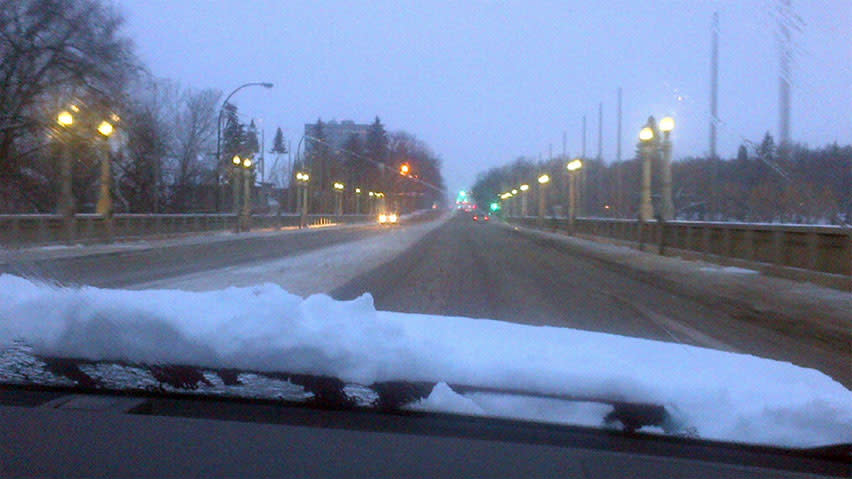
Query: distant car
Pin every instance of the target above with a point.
(388, 219)
(481, 217)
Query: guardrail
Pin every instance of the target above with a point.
(823, 249)
(31, 230)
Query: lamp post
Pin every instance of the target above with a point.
(357, 201)
(646, 148)
(302, 197)
(104, 206)
(543, 180)
(524, 189)
(667, 124)
(573, 167)
(236, 162)
(338, 190)
(247, 181)
(219, 131)
(65, 120)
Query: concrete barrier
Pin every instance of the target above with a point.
(32, 230)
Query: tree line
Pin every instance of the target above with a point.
(762, 183)
(73, 54)
(372, 162)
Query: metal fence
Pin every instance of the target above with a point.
(823, 249)
(30, 230)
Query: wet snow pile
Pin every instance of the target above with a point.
(264, 328)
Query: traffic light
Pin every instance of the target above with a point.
(404, 169)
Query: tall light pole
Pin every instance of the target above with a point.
(357, 201)
(338, 190)
(573, 167)
(667, 124)
(219, 161)
(302, 197)
(543, 180)
(236, 174)
(524, 188)
(647, 149)
(65, 120)
(104, 206)
(247, 181)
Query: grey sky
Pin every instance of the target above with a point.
(484, 82)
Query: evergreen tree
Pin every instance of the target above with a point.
(318, 154)
(233, 135)
(742, 154)
(252, 145)
(376, 149)
(278, 145)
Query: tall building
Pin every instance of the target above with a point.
(336, 134)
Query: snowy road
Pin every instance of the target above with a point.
(455, 267)
(493, 271)
(155, 263)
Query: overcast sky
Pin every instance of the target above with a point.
(484, 82)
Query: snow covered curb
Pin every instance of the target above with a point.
(722, 395)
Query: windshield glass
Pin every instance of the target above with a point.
(618, 215)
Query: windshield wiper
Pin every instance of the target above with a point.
(328, 392)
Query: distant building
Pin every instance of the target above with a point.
(337, 134)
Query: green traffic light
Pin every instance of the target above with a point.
(495, 206)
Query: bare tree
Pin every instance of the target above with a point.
(53, 52)
(144, 167)
(194, 131)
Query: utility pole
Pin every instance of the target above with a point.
(582, 186)
(619, 187)
(600, 131)
(714, 118)
(784, 17)
(618, 130)
(599, 184)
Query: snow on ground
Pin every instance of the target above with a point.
(720, 395)
(727, 270)
(55, 251)
(317, 271)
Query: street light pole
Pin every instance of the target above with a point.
(104, 205)
(573, 167)
(246, 213)
(66, 200)
(543, 180)
(236, 161)
(646, 147)
(302, 197)
(338, 190)
(666, 126)
(219, 135)
(524, 188)
(357, 201)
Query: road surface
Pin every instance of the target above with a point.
(130, 267)
(493, 271)
(463, 268)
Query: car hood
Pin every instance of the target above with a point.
(264, 342)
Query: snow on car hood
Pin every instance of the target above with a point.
(722, 395)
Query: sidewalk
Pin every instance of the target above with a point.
(51, 252)
(793, 307)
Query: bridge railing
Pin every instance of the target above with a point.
(823, 249)
(32, 230)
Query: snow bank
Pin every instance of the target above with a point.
(722, 395)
